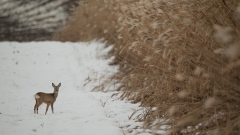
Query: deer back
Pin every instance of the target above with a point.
(46, 97)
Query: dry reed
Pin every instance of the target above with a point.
(178, 56)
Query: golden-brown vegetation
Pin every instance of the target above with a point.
(178, 56)
(93, 19)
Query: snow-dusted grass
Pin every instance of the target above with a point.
(28, 68)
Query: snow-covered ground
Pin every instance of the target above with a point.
(28, 68)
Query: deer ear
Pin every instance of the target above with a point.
(59, 84)
(53, 85)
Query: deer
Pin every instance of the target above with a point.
(47, 98)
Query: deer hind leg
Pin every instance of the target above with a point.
(38, 104)
(35, 106)
(47, 108)
(52, 107)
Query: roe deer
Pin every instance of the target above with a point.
(47, 98)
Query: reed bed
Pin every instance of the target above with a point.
(179, 58)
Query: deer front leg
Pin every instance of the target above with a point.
(47, 108)
(52, 107)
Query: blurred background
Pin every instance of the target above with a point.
(33, 20)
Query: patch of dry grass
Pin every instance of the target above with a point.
(180, 56)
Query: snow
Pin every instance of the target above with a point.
(28, 68)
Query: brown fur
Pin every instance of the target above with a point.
(47, 98)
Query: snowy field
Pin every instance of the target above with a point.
(28, 68)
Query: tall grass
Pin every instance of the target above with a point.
(93, 19)
(179, 58)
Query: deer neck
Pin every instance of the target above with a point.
(55, 94)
